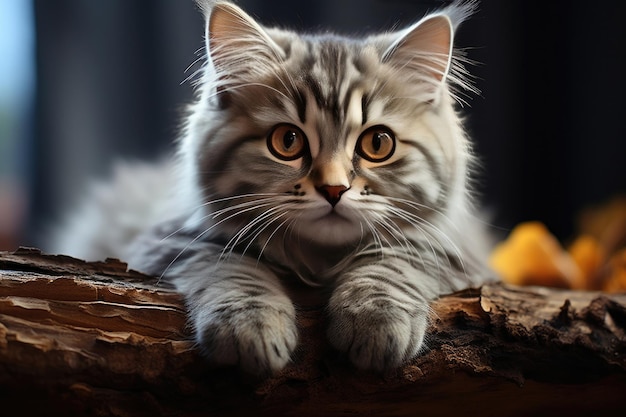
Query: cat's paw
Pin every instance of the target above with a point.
(376, 335)
(258, 337)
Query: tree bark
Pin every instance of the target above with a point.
(81, 338)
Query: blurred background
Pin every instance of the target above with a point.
(84, 83)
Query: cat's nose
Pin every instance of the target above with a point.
(332, 193)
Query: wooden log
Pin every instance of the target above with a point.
(81, 338)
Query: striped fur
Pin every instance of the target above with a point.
(398, 232)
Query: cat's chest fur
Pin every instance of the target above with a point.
(315, 265)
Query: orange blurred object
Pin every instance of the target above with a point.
(595, 261)
(532, 256)
(616, 280)
(589, 256)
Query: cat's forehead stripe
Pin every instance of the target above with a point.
(332, 78)
(354, 108)
(314, 142)
(432, 161)
(364, 103)
(300, 99)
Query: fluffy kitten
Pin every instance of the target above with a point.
(341, 162)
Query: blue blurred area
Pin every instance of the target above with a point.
(548, 124)
(17, 86)
(17, 38)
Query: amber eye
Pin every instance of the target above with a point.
(287, 142)
(376, 144)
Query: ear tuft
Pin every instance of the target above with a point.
(426, 46)
(238, 47)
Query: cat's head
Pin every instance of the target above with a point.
(325, 138)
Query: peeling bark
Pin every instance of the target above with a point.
(81, 338)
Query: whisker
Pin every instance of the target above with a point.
(272, 234)
(207, 230)
(410, 247)
(404, 242)
(230, 208)
(239, 196)
(194, 240)
(380, 221)
(241, 234)
(378, 243)
(246, 205)
(418, 222)
(419, 207)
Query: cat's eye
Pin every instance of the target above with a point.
(376, 144)
(287, 142)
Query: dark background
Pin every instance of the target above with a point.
(549, 124)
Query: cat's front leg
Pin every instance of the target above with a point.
(379, 314)
(239, 311)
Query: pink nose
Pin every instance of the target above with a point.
(332, 193)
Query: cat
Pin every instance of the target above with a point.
(341, 162)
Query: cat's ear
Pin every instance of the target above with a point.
(425, 47)
(237, 45)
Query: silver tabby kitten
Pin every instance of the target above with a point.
(337, 161)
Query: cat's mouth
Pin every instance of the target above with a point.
(333, 215)
(335, 218)
(334, 212)
(325, 216)
(331, 227)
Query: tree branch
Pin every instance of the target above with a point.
(81, 338)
